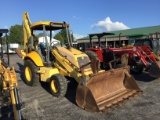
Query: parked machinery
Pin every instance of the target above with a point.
(149, 48)
(139, 57)
(8, 84)
(97, 89)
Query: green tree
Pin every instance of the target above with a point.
(64, 36)
(16, 34)
(72, 37)
(41, 34)
(59, 37)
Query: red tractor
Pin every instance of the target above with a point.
(139, 57)
(104, 55)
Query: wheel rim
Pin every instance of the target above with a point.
(54, 86)
(28, 74)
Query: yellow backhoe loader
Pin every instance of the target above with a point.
(8, 84)
(50, 62)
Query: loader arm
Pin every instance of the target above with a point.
(70, 67)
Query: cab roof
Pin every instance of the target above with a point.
(48, 25)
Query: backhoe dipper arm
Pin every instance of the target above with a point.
(26, 29)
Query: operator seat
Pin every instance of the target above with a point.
(42, 47)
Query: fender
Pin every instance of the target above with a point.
(35, 57)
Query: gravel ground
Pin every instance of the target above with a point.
(41, 105)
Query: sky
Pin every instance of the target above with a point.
(84, 16)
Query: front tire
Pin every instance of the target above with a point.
(58, 85)
(136, 68)
(92, 55)
(31, 77)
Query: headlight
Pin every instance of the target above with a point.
(134, 49)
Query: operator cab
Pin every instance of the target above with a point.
(44, 46)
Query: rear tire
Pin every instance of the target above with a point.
(92, 55)
(31, 77)
(58, 85)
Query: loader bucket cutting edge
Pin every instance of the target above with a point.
(154, 70)
(106, 90)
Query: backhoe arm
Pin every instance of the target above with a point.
(65, 66)
(26, 29)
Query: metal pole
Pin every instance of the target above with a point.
(99, 43)
(50, 36)
(1, 48)
(91, 43)
(120, 39)
(7, 49)
(68, 36)
(47, 45)
(17, 103)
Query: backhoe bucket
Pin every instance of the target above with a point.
(154, 70)
(106, 90)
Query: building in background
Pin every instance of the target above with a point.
(121, 37)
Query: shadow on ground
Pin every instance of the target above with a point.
(6, 113)
(71, 89)
(145, 77)
(20, 70)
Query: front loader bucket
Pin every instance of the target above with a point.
(105, 90)
(154, 70)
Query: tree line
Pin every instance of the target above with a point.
(16, 35)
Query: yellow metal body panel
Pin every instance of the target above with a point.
(23, 54)
(35, 57)
(71, 54)
(47, 72)
(67, 62)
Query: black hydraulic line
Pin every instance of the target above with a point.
(17, 103)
